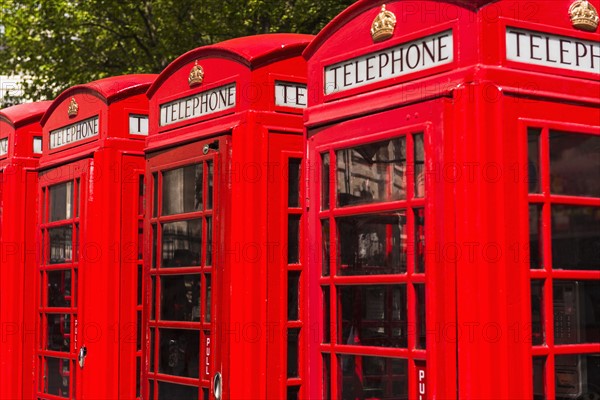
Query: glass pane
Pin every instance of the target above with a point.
(421, 320)
(61, 244)
(574, 164)
(208, 298)
(539, 388)
(151, 389)
(59, 288)
(419, 240)
(326, 377)
(576, 311)
(325, 181)
(209, 240)
(180, 297)
(59, 332)
(577, 376)
(182, 190)
(57, 376)
(372, 244)
(325, 255)
(155, 194)
(61, 201)
(294, 182)
(140, 280)
(371, 173)
(419, 166)
(139, 331)
(293, 295)
(372, 315)
(152, 348)
(326, 314)
(533, 159)
(537, 313)
(292, 352)
(535, 237)
(171, 391)
(364, 377)
(211, 184)
(140, 240)
(575, 237)
(153, 298)
(292, 392)
(293, 239)
(179, 351)
(154, 256)
(181, 243)
(141, 193)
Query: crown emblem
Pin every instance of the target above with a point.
(383, 25)
(196, 75)
(583, 15)
(73, 108)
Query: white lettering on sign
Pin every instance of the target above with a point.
(205, 103)
(564, 52)
(74, 133)
(406, 58)
(207, 362)
(138, 124)
(3, 147)
(290, 94)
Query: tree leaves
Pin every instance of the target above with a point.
(60, 43)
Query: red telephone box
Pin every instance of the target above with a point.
(91, 180)
(223, 221)
(20, 148)
(454, 202)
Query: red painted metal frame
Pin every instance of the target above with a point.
(18, 182)
(108, 166)
(244, 350)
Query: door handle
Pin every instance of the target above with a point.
(82, 355)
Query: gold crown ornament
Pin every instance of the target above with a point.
(196, 75)
(583, 16)
(73, 108)
(383, 25)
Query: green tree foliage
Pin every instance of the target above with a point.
(59, 43)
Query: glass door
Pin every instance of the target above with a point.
(58, 346)
(183, 272)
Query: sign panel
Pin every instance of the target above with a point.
(538, 48)
(290, 94)
(3, 147)
(74, 133)
(417, 55)
(201, 104)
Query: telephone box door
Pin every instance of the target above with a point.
(60, 351)
(184, 271)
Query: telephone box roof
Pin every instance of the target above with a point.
(24, 114)
(251, 51)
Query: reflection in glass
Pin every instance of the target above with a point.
(325, 247)
(61, 201)
(179, 352)
(419, 240)
(61, 244)
(59, 288)
(325, 181)
(366, 377)
(59, 332)
(292, 352)
(180, 297)
(181, 243)
(535, 236)
(537, 313)
(294, 182)
(372, 315)
(419, 166)
(211, 184)
(575, 237)
(182, 190)
(371, 173)
(533, 159)
(539, 388)
(372, 244)
(57, 376)
(208, 297)
(576, 376)
(574, 164)
(209, 241)
(576, 311)
(172, 391)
